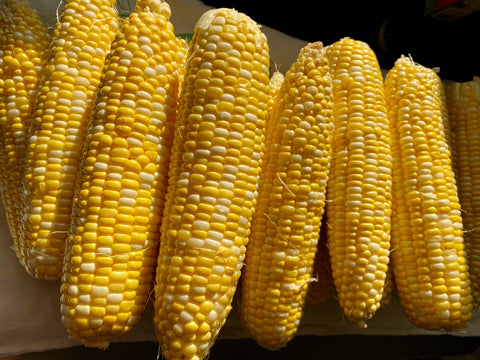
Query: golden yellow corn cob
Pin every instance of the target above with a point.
(276, 80)
(24, 57)
(113, 241)
(3, 41)
(359, 189)
(81, 41)
(286, 223)
(212, 190)
(428, 259)
(463, 103)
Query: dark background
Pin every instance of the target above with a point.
(391, 28)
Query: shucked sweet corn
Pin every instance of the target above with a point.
(248, 160)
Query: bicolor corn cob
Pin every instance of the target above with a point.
(112, 246)
(4, 11)
(359, 189)
(291, 200)
(428, 259)
(81, 41)
(24, 56)
(463, 103)
(213, 179)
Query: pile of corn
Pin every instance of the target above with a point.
(136, 167)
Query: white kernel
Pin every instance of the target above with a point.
(455, 297)
(77, 110)
(182, 298)
(350, 264)
(445, 223)
(80, 80)
(124, 62)
(149, 71)
(451, 258)
(436, 259)
(125, 54)
(13, 113)
(441, 297)
(114, 298)
(211, 47)
(72, 290)
(55, 153)
(212, 316)
(228, 177)
(245, 73)
(84, 299)
(202, 153)
(82, 310)
(224, 115)
(104, 251)
(251, 117)
(219, 218)
(443, 314)
(144, 95)
(227, 97)
(79, 95)
(221, 209)
(199, 290)
(218, 150)
(227, 243)
(146, 177)
(100, 166)
(430, 217)
(427, 189)
(218, 132)
(438, 266)
(128, 103)
(127, 201)
(134, 142)
(195, 242)
(185, 317)
(177, 329)
(224, 46)
(130, 193)
(374, 247)
(212, 244)
(230, 169)
(218, 269)
(87, 267)
(425, 294)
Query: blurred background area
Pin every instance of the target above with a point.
(435, 33)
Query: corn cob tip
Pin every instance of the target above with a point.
(215, 16)
(156, 6)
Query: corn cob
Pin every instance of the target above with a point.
(359, 189)
(322, 288)
(213, 176)
(24, 57)
(274, 85)
(286, 224)
(81, 41)
(463, 103)
(4, 11)
(428, 262)
(113, 241)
